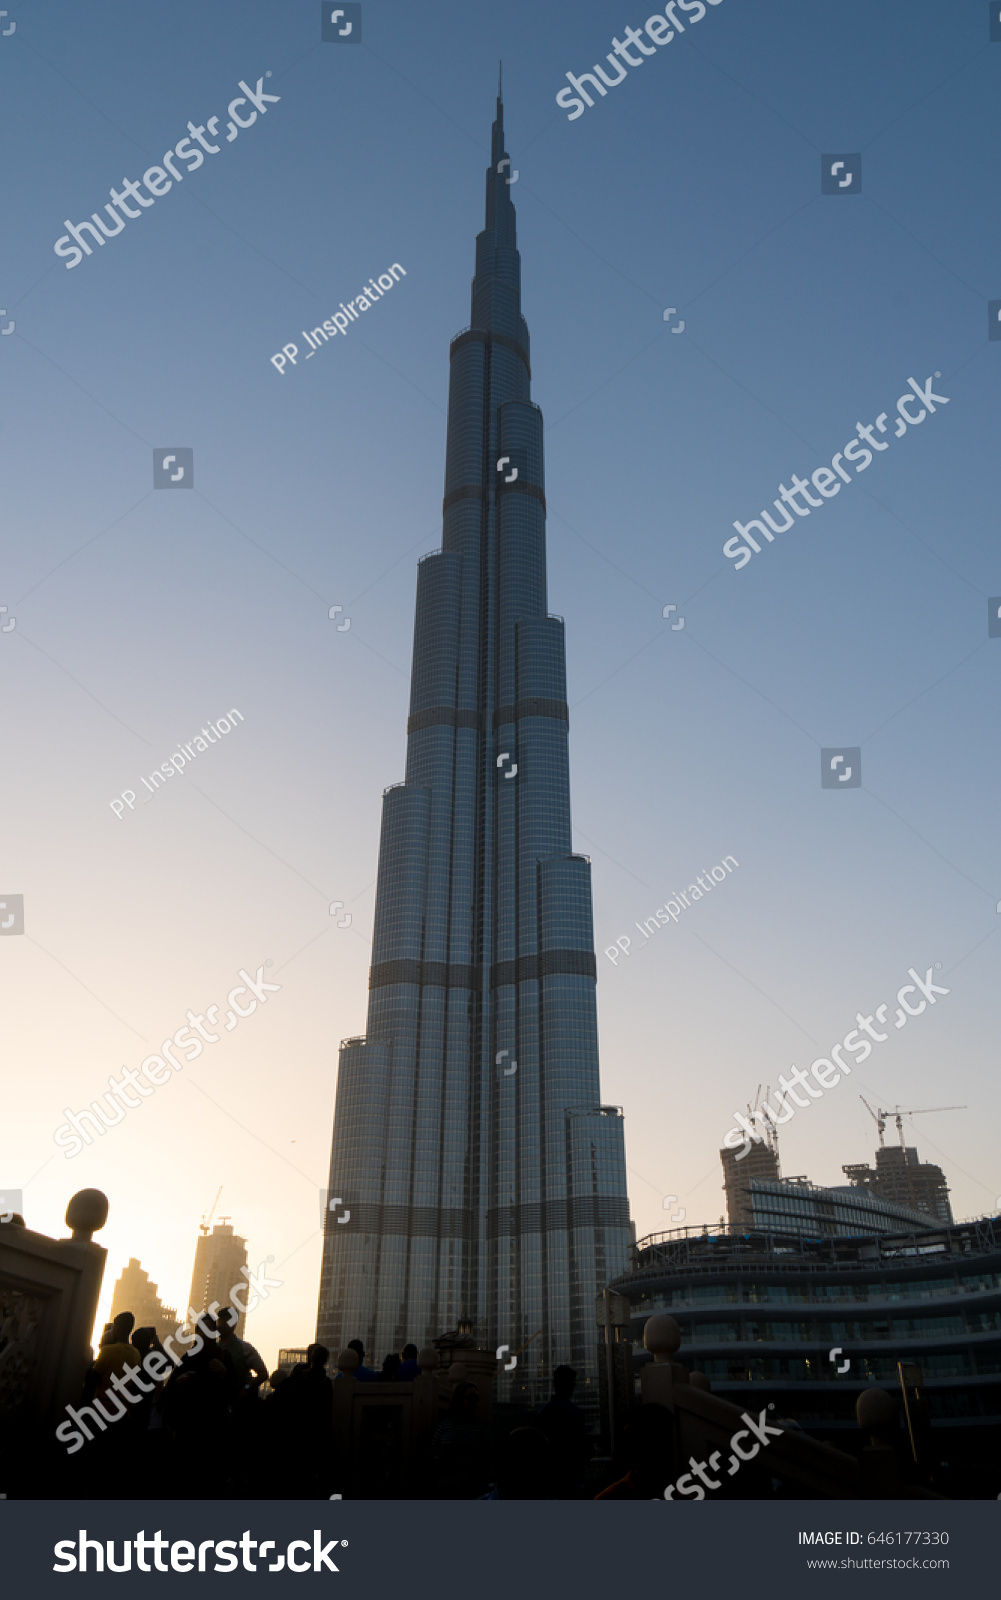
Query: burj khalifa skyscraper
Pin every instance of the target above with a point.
(477, 1174)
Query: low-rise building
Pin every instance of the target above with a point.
(806, 1323)
(795, 1205)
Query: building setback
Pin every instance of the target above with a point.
(134, 1292)
(483, 1177)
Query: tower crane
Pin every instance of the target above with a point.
(771, 1131)
(881, 1115)
(207, 1220)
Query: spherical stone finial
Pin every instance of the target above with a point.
(698, 1380)
(457, 1373)
(661, 1336)
(87, 1212)
(347, 1361)
(876, 1410)
(427, 1358)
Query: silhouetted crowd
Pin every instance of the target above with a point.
(207, 1415)
(218, 1426)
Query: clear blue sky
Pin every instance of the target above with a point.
(139, 613)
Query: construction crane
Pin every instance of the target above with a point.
(207, 1220)
(878, 1118)
(881, 1115)
(771, 1131)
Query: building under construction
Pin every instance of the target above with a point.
(761, 1162)
(902, 1179)
(220, 1257)
(900, 1189)
(899, 1176)
(760, 1200)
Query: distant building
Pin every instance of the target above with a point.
(770, 1317)
(761, 1161)
(900, 1192)
(901, 1178)
(795, 1205)
(219, 1258)
(134, 1292)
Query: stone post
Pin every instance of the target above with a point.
(879, 1471)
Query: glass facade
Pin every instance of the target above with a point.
(797, 1206)
(766, 1309)
(484, 1179)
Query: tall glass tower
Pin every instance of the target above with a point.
(478, 1176)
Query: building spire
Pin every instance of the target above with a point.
(497, 151)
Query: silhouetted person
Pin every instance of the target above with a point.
(390, 1368)
(362, 1373)
(648, 1448)
(565, 1426)
(116, 1352)
(245, 1371)
(106, 1454)
(196, 1400)
(151, 1437)
(90, 1379)
(526, 1469)
(408, 1367)
(244, 1364)
(460, 1448)
(303, 1412)
(143, 1341)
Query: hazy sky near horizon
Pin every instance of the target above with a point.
(141, 613)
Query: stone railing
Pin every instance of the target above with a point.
(383, 1431)
(49, 1289)
(705, 1423)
